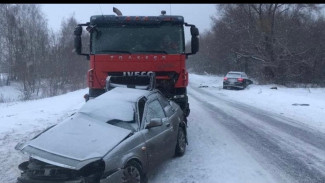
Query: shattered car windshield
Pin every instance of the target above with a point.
(106, 110)
(130, 125)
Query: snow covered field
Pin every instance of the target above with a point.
(213, 155)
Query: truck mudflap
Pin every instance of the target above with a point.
(182, 101)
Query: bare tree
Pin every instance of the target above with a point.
(279, 43)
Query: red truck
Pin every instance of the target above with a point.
(139, 45)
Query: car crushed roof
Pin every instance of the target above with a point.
(117, 103)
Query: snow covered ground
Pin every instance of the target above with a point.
(281, 101)
(213, 155)
(10, 93)
(20, 121)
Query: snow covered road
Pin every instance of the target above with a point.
(232, 142)
(288, 149)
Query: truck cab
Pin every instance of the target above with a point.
(139, 45)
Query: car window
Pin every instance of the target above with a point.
(154, 110)
(168, 110)
(166, 106)
(163, 101)
(141, 104)
(233, 75)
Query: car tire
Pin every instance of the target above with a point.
(223, 87)
(181, 142)
(133, 173)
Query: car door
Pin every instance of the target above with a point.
(156, 138)
(174, 119)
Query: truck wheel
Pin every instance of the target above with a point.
(187, 110)
(184, 105)
(181, 142)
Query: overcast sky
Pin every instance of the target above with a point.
(197, 14)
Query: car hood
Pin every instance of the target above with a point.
(75, 142)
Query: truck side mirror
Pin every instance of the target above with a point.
(77, 39)
(77, 31)
(195, 39)
(194, 44)
(194, 31)
(77, 45)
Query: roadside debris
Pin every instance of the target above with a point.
(300, 104)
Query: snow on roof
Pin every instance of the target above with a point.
(118, 103)
(235, 72)
(123, 94)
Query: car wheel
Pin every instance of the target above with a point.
(132, 173)
(223, 87)
(181, 142)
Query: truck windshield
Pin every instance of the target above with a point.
(161, 39)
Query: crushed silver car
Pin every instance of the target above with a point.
(116, 137)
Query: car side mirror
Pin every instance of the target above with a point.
(168, 108)
(19, 146)
(170, 102)
(154, 123)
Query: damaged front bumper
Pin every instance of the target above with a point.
(24, 179)
(35, 171)
(113, 178)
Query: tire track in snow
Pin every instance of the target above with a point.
(275, 155)
(287, 125)
(212, 156)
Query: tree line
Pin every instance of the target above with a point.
(33, 55)
(273, 43)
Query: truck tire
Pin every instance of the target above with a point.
(181, 142)
(185, 106)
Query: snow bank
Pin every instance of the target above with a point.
(24, 120)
